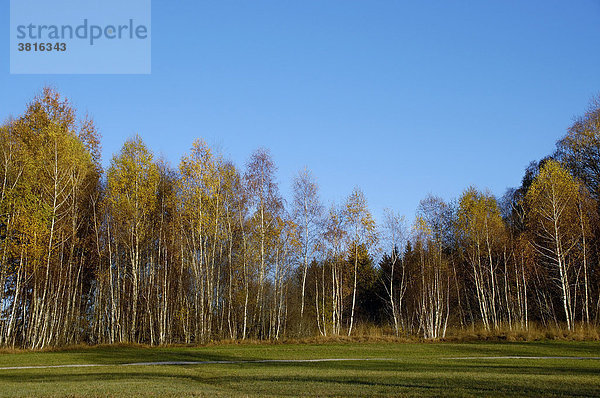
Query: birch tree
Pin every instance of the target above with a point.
(263, 193)
(430, 230)
(553, 201)
(361, 227)
(482, 234)
(396, 236)
(335, 236)
(132, 187)
(307, 212)
(49, 178)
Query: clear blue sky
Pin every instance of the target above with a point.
(400, 99)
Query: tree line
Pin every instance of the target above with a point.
(145, 252)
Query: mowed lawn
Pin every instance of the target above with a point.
(395, 369)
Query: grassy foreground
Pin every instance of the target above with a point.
(403, 369)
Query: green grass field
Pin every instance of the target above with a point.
(397, 369)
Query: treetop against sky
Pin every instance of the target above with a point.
(400, 99)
